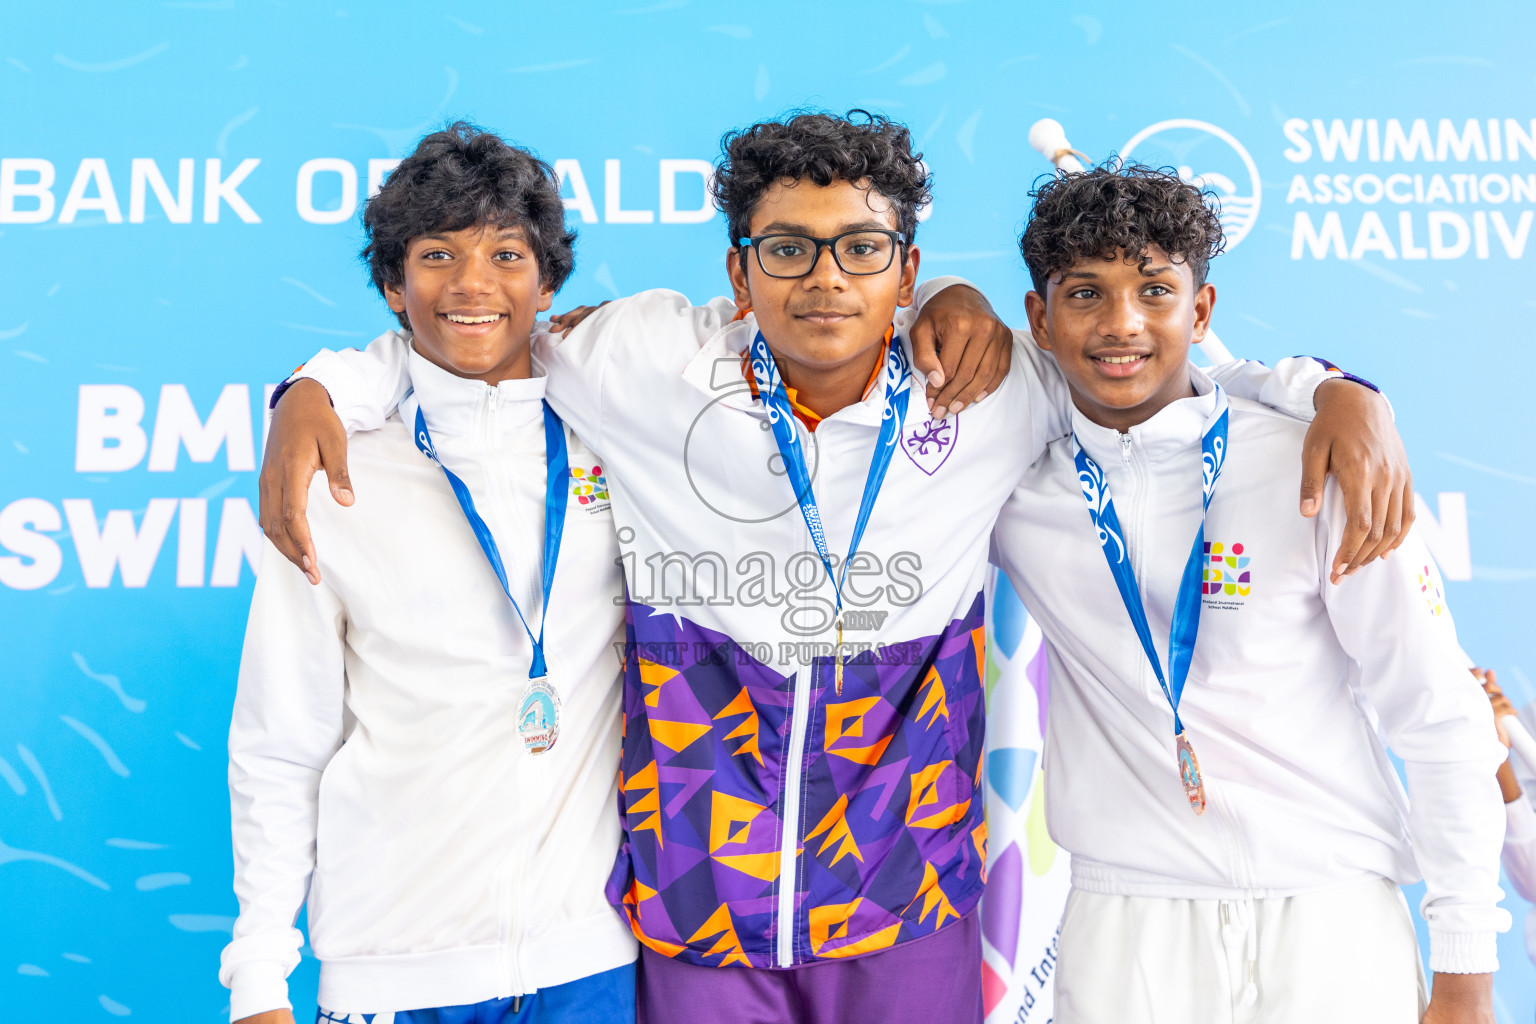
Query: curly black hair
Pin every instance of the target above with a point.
(457, 178)
(823, 148)
(1113, 210)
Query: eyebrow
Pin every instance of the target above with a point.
(1092, 275)
(780, 227)
(516, 231)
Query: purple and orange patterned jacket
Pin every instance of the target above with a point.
(892, 840)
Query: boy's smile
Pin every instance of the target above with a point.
(1120, 330)
(472, 297)
(825, 329)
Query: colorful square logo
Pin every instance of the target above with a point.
(589, 486)
(1226, 570)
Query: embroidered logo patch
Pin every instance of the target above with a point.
(1429, 586)
(589, 487)
(1226, 573)
(929, 445)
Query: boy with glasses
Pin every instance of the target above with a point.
(804, 549)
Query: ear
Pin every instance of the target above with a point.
(1205, 305)
(546, 296)
(908, 289)
(1034, 310)
(394, 295)
(740, 293)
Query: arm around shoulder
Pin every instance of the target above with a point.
(364, 385)
(1352, 437)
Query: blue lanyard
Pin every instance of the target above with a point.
(1186, 610)
(781, 415)
(557, 495)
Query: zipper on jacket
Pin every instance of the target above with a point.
(789, 843)
(527, 565)
(512, 910)
(524, 560)
(1133, 520)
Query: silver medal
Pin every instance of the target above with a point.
(538, 716)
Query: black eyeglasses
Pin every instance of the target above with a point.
(856, 252)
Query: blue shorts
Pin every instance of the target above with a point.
(606, 998)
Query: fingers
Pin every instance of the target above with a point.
(568, 321)
(1359, 521)
(305, 435)
(1409, 514)
(960, 362)
(299, 547)
(925, 357)
(270, 497)
(333, 460)
(989, 374)
(1314, 472)
(1388, 526)
(277, 483)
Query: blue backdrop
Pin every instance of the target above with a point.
(177, 226)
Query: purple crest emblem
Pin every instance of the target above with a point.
(929, 444)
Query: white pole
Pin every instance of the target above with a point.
(1521, 741)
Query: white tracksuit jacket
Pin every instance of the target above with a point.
(375, 764)
(755, 753)
(1295, 687)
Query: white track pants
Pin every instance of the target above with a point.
(1346, 955)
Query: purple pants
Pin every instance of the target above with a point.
(932, 980)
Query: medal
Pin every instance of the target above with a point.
(538, 710)
(1185, 626)
(837, 671)
(538, 716)
(1189, 774)
(781, 417)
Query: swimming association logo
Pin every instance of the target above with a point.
(1226, 575)
(1207, 157)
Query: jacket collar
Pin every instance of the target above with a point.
(456, 407)
(717, 372)
(1174, 430)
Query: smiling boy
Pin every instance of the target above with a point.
(423, 745)
(804, 549)
(1213, 760)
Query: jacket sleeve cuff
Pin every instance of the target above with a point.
(282, 389)
(1341, 375)
(1463, 952)
(257, 986)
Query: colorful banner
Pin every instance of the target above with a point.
(1028, 875)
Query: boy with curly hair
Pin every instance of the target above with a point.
(423, 744)
(804, 546)
(1215, 755)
